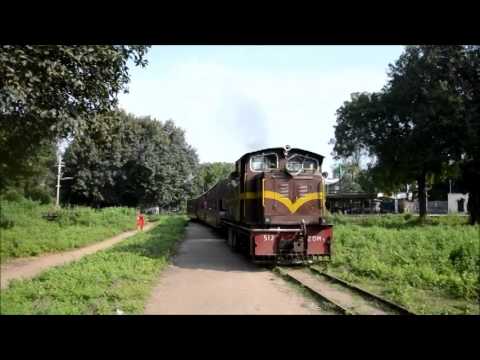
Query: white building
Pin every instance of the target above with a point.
(457, 203)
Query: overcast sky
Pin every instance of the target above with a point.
(235, 99)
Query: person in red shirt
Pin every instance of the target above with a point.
(140, 221)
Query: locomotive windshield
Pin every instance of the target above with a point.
(294, 164)
(264, 162)
(297, 163)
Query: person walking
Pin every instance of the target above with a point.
(140, 221)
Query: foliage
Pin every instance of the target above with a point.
(118, 278)
(50, 91)
(35, 176)
(131, 161)
(349, 172)
(440, 255)
(208, 174)
(25, 232)
(431, 94)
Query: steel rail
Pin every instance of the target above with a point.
(398, 308)
(339, 308)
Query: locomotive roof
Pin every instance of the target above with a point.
(281, 149)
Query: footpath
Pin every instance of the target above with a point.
(25, 268)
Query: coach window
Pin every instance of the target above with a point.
(221, 205)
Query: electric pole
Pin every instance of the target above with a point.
(59, 177)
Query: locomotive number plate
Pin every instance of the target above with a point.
(268, 237)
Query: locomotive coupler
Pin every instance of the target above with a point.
(299, 244)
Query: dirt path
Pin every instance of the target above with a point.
(24, 268)
(208, 278)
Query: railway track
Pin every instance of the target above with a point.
(339, 295)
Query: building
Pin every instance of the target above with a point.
(457, 203)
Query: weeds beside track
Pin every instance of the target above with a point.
(119, 278)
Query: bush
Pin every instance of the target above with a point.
(441, 254)
(465, 258)
(13, 195)
(40, 195)
(27, 232)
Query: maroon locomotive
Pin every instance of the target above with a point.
(272, 206)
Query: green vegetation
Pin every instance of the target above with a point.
(432, 92)
(51, 91)
(118, 278)
(208, 174)
(26, 232)
(429, 266)
(131, 161)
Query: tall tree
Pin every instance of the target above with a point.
(412, 125)
(49, 91)
(464, 76)
(143, 162)
(208, 174)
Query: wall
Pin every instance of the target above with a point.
(453, 202)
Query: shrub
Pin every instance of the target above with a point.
(26, 231)
(13, 195)
(40, 195)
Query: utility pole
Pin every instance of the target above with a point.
(59, 177)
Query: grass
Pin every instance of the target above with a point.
(25, 232)
(118, 278)
(430, 267)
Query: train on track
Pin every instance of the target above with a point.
(271, 207)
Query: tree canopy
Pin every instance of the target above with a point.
(133, 161)
(208, 174)
(424, 119)
(50, 91)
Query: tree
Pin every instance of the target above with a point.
(37, 179)
(411, 125)
(347, 170)
(462, 73)
(50, 91)
(208, 174)
(143, 162)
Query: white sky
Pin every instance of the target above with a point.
(235, 99)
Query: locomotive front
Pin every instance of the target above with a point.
(282, 207)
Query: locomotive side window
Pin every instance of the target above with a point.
(257, 163)
(264, 162)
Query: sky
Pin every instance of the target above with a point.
(234, 99)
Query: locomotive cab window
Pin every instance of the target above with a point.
(264, 162)
(310, 164)
(294, 164)
(299, 163)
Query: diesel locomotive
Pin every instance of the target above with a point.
(271, 207)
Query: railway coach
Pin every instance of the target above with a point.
(272, 207)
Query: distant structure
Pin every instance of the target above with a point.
(353, 203)
(457, 203)
(441, 200)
